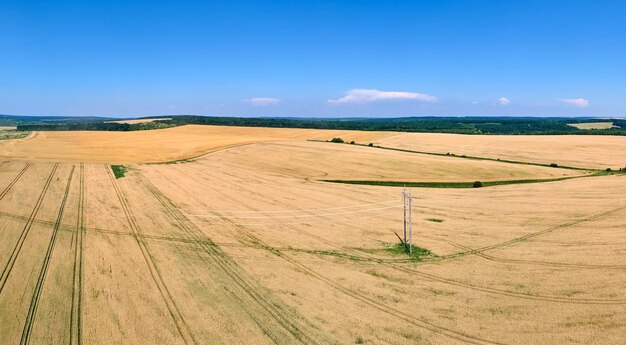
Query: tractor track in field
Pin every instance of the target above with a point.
(433, 277)
(14, 181)
(473, 287)
(228, 267)
(580, 243)
(534, 234)
(187, 240)
(34, 302)
(78, 269)
(174, 311)
(419, 322)
(63, 227)
(541, 263)
(528, 296)
(497, 245)
(20, 242)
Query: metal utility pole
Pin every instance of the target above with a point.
(408, 219)
(410, 223)
(404, 218)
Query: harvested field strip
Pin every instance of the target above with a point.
(471, 157)
(593, 125)
(12, 183)
(416, 321)
(177, 317)
(78, 269)
(32, 310)
(18, 246)
(540, 263)
(583, 151)
(288, 323)
(450, 184)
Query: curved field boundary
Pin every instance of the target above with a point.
(416, 321)
(78, 269)
(34, 302)
(190, 159)
(20, 242)
(179, 321)
(227, 266)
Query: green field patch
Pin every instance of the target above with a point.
(12, 134)
(119, 170)
(418, 253)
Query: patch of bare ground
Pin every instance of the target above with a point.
(135, 121)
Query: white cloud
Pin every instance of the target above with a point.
(371, 95)
(577, 102)
(504, 101)
(475, 102)
(263, 101)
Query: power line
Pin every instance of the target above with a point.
(292, 216)
(304, 210)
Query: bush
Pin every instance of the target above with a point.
(118, 170)
(352, 142)
(477, 184)
(337, 140)
(554, 165)
(370, 144)
(609, 169)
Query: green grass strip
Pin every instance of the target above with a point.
(450, 184)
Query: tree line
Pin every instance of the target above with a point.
(459, 125)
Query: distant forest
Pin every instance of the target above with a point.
(459, 125)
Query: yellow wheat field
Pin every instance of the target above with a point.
(246, 244)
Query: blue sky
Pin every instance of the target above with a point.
(313, 58)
